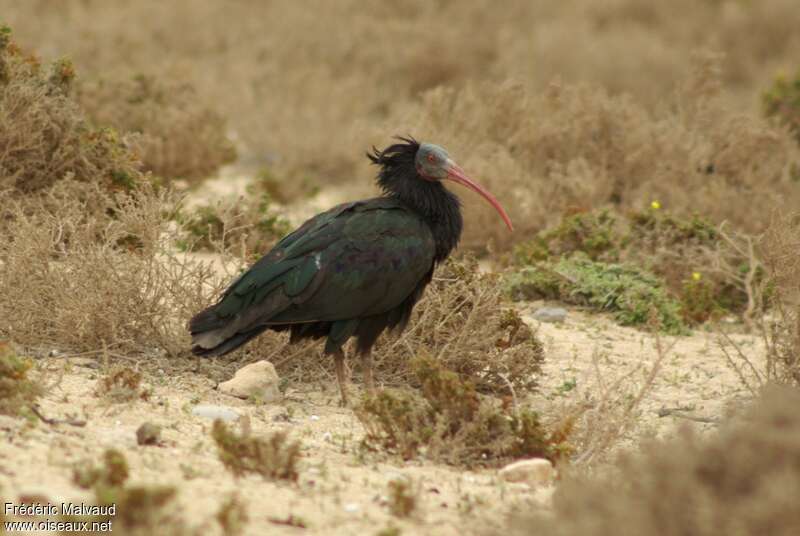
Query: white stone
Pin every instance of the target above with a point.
(536, 472)
(209, 411)
(554, 315)
(352, 507)
(257, 380)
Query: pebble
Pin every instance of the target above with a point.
(352, 507)
(148, 434)
(209, 411)
(554, 315)
(257, 380)
(535, 471)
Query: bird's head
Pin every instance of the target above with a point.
(410, 164)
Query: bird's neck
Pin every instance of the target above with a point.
(441, 210)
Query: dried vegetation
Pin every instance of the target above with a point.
(177, 136)
(577, 147)
(448, 421)
(303, 99)
(44, 135)
(274, 457)
(140, 509)
(78, 280)
(740, 481)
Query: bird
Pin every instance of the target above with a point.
(355, 270)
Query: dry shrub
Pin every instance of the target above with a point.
(247, 227)
(463, 321)
(576, 147)
(179, 137)
(448, 421)
(17, 391)
(44, 135)
(273, 458)
(77, 280)
(744, 480)
(781, 252)
(777, 253)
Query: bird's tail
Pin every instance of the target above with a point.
(211, 335)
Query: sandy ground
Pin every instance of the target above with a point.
(339, 490)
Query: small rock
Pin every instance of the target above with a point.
(257, 380)
(352, 507)
(148, 434)
(536, 471)
(554, 315)
(208, 411)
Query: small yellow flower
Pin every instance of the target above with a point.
(697, 276)
(655, 205)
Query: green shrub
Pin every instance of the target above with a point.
(696, 263)
(782, 102)
(631, 293)
(17, 391)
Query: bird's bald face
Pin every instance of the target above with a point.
(432, 162)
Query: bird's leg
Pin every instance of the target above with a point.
(369, 379)
(338, 359)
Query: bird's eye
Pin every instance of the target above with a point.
(431, 158)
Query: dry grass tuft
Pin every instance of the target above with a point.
(402, 498)
(178, 137)
(465, 323)
(448, 421)
(44, 135)
(17, 391)
(232, 516)
(742, 481)
(121, 384)
(274, 458)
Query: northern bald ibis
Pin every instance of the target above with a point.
(354, 270)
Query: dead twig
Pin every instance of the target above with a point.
(55, 422)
